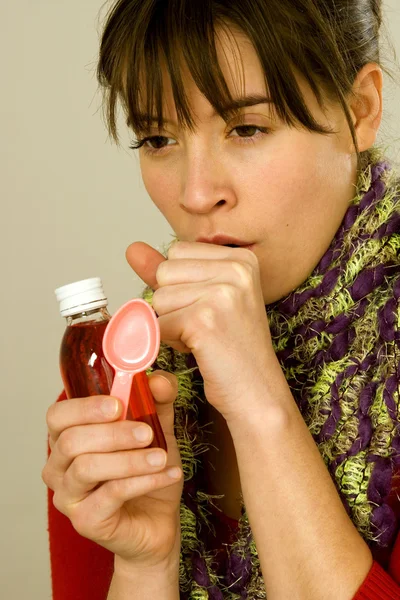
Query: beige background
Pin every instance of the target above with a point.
(71, 204)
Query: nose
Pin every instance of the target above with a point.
(206, 183)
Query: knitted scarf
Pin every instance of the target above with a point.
(337, 338)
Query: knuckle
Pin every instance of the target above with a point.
(157, 301)
(243, 273)
(67, 444)
(225, 294)
(46, 475)
(206, 317)
(160, 272)
(116, 487)
(152, 480)
(58, 503)
(51, 416)
(82, 468)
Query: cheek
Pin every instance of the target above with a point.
(291, 183)
(285, 185)
(160, 184)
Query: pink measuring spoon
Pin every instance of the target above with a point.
(131, 343)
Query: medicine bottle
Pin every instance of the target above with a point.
(83, 366)
(84, 369)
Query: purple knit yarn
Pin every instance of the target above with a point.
(390, 386)
(366, 282)
(365, 425)
(238, 573)
(396, 448)
(383, 517)
(365, 429)
(386, 320)
(392, 226)
(200, 575)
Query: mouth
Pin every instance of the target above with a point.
(224, 240)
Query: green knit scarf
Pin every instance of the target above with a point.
(337, 339)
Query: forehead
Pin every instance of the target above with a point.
(239, 64)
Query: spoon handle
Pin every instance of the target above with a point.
(121, 389)
(142, 408)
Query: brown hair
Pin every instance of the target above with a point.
(326, 41)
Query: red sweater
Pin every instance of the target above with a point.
(82, 570)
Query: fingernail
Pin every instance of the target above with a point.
(156, 459)
(165, 379)
(142, 433)
(156, 375)
(174, 472)
(109, 407)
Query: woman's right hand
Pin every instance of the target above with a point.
(103, 483)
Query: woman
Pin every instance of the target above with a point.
(277, 380)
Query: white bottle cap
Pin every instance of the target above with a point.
(81, 296)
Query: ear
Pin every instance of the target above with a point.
(366, 105)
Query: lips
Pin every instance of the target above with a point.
(224, 240)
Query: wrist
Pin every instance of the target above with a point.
(269, 403)
(270, 420)
(140, 582)
(168, 569)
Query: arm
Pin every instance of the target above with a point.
(82, 568)
(309, 548)
(143, 583)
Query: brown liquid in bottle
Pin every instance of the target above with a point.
(84, 369)
(86, 372)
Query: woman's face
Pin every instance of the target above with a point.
(255, 178)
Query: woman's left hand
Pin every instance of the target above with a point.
(209, 301)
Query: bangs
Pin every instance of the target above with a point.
(141, 36)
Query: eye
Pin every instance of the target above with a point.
(159, 143)
(248, 131)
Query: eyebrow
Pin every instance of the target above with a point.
(236, 104)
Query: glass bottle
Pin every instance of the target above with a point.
(83, 366)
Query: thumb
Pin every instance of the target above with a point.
(144, 260)
(164, 387)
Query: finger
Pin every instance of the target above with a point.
(88, 470)
(144, 260)
(163, 386)
(206, 251)
(102, 504)
(80, 411)
(173, 330)
(198, 270)
(88, 439)
(168, 299)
